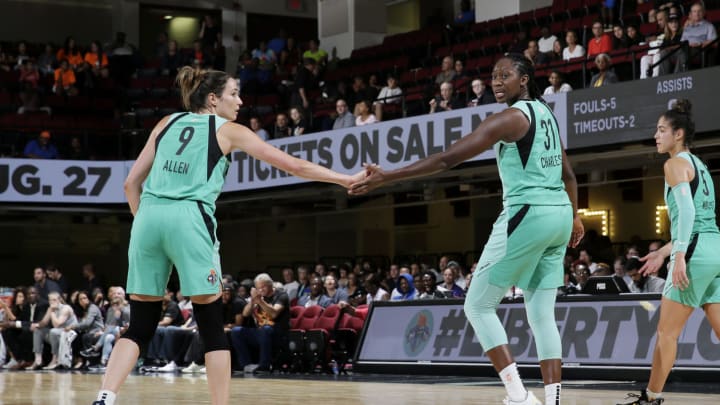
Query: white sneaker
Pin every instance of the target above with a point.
(202, 371)
(168, 368)
(10, 364)
(250, 368)
(529, 400)
(192, 368)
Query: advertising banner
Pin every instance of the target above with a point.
(390, 144)
(612, 333)
(629, 111)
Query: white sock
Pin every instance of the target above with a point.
(552, 394)
(513, 384)
(107, 396)
(653, 395)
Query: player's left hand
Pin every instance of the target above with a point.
(679, 273)
(578, 231)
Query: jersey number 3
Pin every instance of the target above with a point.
(185, 136)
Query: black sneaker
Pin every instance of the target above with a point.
(101, 402)
(642, 399)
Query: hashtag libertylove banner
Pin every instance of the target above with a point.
(593, 333)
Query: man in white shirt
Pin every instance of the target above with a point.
(546, 41)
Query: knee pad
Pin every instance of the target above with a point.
(144, 318)
(209, 318)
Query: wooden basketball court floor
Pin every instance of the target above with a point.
(71, 388)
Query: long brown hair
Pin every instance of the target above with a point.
(195, 85)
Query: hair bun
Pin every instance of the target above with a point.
(683, 106)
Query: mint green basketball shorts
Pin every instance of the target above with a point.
(527, 246)
(703, 271)
(173, 232)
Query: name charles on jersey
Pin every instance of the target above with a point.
(175, 166)
(551, 161)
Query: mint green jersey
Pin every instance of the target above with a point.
(531, 168)
(189, 164)
(703, 195)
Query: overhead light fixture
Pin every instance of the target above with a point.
(168, 17)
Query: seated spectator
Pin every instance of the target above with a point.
(173, 60)
(297, 122)
(233, 306)
(481, 94)
(587, 258)
(354, 290)
(271, 311)
(405, 289)
(698, 31)
(546, 40)
(333, 291)
(573, 49)
(30, 90)
(70, 53)
(604, 76)
(458, 273)
(117, 319)
(97, 61)
(633, 35)
(446, 101)
(16, 327)
(600, 42)
(373, 88)
(532, 52)
(265, 56)
(345, 119)
(315, 53)
(290, 285)
(58, 317)
(198, 56)
(171, 318)
(582, 274)
(22, 54)
(281, 129)
(374, 291)
(619, 270)
(557, 84)
(41, 148)
(357, 92)
(176, 343)
(674, 61)
(43, 285)
(447, 72)
(258, 129)
(390, 94)
(448, 287)
(65, 80)
(317, 295)
(641, 283)
(619, 39)
(556, 54)
(90, 326)
(363, 114)
(430, 291)
(47, 60)
(459, 69)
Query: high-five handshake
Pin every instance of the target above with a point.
(373, 177)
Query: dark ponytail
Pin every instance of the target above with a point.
(525, 66)
(680, 116)
(195, 85)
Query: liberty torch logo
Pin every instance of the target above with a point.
(417, 333)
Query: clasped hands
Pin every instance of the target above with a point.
(366, 180)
